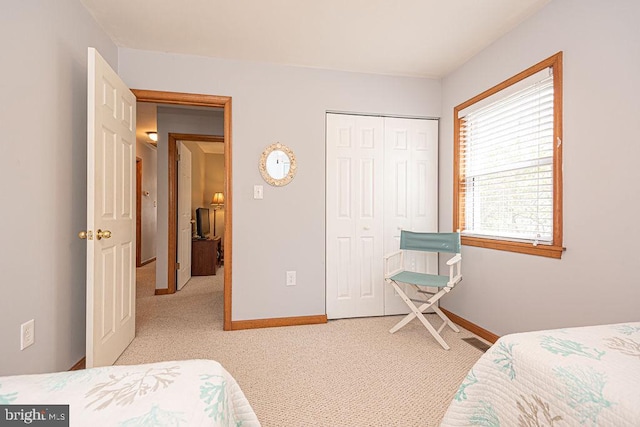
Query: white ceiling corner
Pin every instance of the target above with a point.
(422, 38)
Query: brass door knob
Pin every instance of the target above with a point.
(103, 234)
(88, 235)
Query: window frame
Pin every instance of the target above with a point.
(555, 249)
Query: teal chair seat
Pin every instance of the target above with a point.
(420, 279)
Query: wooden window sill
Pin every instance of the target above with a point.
(549, 251)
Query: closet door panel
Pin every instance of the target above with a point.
(411, 199)
(354, 216)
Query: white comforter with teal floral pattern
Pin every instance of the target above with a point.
(587, 376)
(185, 393)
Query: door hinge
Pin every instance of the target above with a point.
(177, 266)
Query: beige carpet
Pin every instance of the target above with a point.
(350, 372)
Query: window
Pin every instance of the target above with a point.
(508, 164)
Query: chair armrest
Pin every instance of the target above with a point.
(456, 259)
(455, 263)
(388, 273)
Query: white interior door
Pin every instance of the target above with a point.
(184, 215)
(111, 155)
(354, 271)
(411, 194)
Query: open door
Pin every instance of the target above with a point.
(111, 207)
(184, 215)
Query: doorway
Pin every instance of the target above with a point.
(200, 179)
(198, 100)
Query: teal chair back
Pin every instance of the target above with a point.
(430, 242)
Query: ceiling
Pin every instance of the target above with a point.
(423, 38)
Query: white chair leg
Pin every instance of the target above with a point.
(417, 312)
(445, 318)
(409, 317)
(431, 329)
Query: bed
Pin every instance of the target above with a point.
(184, 393)
(577, 376)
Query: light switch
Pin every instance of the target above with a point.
(257, 191)
(291, 278)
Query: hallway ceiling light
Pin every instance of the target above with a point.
(153, 136)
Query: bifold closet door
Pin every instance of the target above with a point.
(410, 194)
(354, 219)
(382, 176)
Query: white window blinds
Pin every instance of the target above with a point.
(506, 166)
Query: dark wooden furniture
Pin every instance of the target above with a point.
(204, 256)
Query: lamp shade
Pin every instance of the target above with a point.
(153, 136)
(218, 199)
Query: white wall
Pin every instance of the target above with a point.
(285, 230)
(174, 120)
(596, 280)
(43, 179)
(149, 156)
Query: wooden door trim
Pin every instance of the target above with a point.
(197, 137)
(138, 212)
(224, 102)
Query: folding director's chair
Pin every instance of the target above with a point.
(426, 242)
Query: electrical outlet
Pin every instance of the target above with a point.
(27, 334)
(291, 278)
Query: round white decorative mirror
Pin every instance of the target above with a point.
(277, 164)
